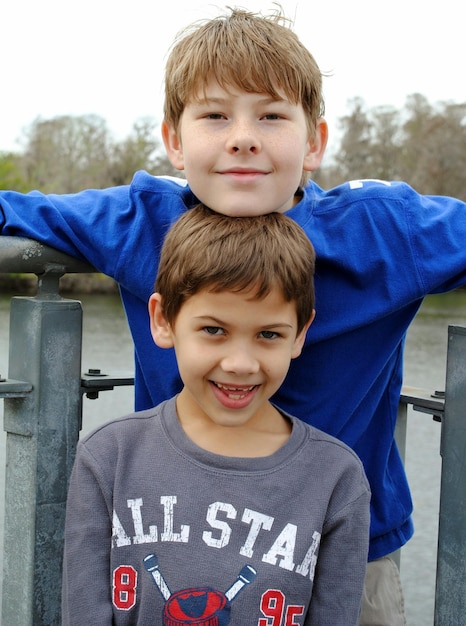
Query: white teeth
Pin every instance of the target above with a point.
(235, 393)
(243, 389)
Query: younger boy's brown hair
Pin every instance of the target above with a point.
(207, 250)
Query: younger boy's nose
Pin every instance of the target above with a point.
(240, 361)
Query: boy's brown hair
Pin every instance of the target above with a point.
(207, 250)
(250, 51)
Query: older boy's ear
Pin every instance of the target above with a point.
(173, 147)
(159, 327)
(316, 147)
(300, 338)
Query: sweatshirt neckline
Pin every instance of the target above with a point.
(187, 448)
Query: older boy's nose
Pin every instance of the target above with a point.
(237, 148)
(243, 139)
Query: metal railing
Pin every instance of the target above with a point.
(42, 417)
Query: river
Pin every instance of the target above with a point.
(107, 346)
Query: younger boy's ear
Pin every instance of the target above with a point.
(300, 338)
(173, 147)
(159, 327)
(316, 147)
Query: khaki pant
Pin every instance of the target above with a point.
(383, 603)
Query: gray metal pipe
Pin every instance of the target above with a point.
(26, 256)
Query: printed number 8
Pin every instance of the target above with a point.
(125, 579)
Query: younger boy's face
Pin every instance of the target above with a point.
(244, 153)
(233, 352)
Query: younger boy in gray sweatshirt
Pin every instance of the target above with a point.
(215, 507)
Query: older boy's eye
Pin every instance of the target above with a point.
(215, 116)
(269, 334)
(214, 330)
(273, 116)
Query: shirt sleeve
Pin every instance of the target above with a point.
(117, 230)
(341, 564)
(436, 227)
(89, 225)
(88, 533)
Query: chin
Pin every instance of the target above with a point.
(250, 210)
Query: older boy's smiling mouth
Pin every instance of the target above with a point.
(243, 173)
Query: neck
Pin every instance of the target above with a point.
(254, 439)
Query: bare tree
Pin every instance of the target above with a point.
(434, 147)
(140, 151)
(10, 172)
(422, 144)
(66, 153)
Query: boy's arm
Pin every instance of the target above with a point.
(86, 563)
(341, 564)
(85, 225)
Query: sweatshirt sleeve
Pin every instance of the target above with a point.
(88, 534)
(341, 564)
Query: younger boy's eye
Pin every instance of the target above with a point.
(269, 334)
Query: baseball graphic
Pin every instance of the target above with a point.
(200, 606)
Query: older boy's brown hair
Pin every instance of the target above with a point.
(207, 250)
(250, 51)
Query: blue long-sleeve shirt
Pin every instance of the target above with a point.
(381, 247)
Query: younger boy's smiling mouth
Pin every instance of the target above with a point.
(234, 396)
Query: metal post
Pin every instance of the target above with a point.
(450, 595)
(42, 432)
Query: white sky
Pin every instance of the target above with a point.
(63, 57)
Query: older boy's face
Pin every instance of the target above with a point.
(243, 153)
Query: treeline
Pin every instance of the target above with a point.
(423, 144)
(66, 154)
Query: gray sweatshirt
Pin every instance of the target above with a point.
(160, 532)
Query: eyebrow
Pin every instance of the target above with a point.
(218, 322)
(221, 100)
